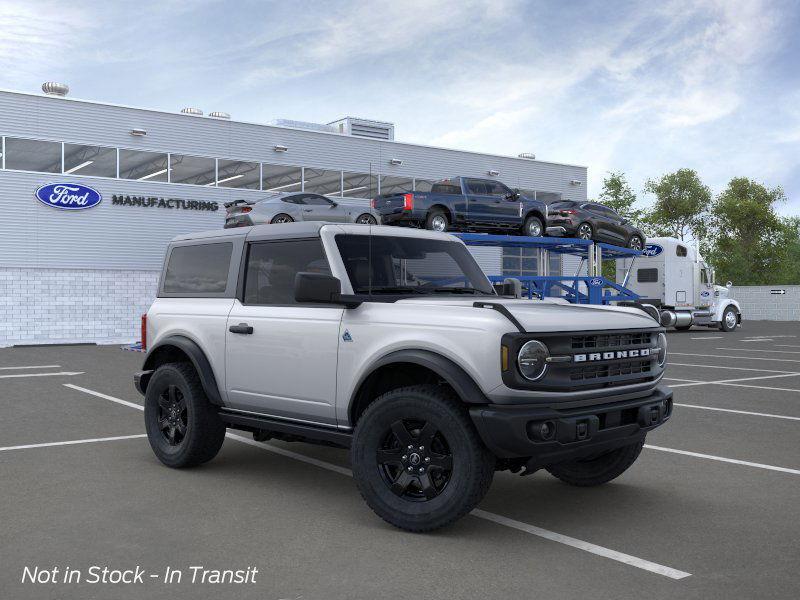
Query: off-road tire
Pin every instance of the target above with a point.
(723, 325)
(472, 464)
(530, 222)
(281, 218)
(205, 431)
(433, 214)
(597, 471)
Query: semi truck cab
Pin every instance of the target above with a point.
(671, 276)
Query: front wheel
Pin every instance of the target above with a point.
(729, 320)
(635, 243)
(584, 232)
(183, 427)
(597, 470)
(417, 459)
(533, 227)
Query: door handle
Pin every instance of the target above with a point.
(241, 328)
(307, 209)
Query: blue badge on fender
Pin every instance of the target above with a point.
(346, 336)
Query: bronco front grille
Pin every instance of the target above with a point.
(593, 372)
(611, 340)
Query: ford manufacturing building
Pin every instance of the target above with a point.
(70, 276)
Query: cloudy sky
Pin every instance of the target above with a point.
(641, 87)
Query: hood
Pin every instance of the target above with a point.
(553, 316)
(720, 291)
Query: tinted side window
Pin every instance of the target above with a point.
(198, 269)
(495, 188)
(681, 251)
(316, 200)
(476, 186)
(272, 266)
(294, 199)
(647, 275)
(446, 188)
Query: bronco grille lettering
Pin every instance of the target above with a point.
(595, 356)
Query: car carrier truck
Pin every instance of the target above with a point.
(676, 284)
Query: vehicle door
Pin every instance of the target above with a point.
(705, 289)
(617, 224)
(319, 208)
(505, 207)
(281, 355)
(480, 202)
(601, 222)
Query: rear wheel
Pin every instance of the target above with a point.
(729, 320)
(599, 469)
(437, 220)
(683, 327)
(282, 218)
(183, 427)
(417, 459)
(367, 219)
(584, 232)
(533, 227)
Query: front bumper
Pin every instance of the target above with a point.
(515, 431)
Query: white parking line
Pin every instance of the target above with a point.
(760, 387)
(739, 357)
(481, 514)
(787, 346)
(723, 459)
(708, 337)
(17, 375)
(740, 412)
(733, 381)
(673, 364)
(759, 350)
(31, 367)
(73, 442)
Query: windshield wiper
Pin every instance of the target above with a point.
(457, 290)
(390, 289)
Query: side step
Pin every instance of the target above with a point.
(285, 430)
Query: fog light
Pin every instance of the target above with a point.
(542, 431)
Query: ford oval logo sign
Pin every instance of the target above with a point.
(68, 196)
(596, 281)
(705, 294)
(652, 250)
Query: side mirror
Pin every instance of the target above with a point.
(729, 285)
(509, 287)
(334, 204)
(320, 288)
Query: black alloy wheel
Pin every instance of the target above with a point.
(635, 243)
(282, 218)
(584, 231)
(172, 417)
(414, 460)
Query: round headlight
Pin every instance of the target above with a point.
(532, 359)
(662, 349)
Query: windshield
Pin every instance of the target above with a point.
(408, 265)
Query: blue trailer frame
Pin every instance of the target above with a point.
(598, 289)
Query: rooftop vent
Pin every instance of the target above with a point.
(192, 111)
(303, 125)
(376, 130)
(219, 115)
(51, 88)
(527, 155)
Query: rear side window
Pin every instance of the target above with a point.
(198, 269)
(478, 187)
(272, 267)
(647, 275)
(446, 187)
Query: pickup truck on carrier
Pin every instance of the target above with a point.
(393, 343)
(464, 203)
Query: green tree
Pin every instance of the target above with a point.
(618, 195)
(749, 243)
(681, 205)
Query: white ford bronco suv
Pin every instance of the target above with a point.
(393, 343)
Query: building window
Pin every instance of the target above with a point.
(322, 181)
(396, 185)
(96, 161)
(194, 170)
(143, 166)
(237, 174)
(360, 185)
(33, 155)
(280, 178)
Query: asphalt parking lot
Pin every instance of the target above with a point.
(710, 510)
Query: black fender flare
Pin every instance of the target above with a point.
(535, 212)
(198, 359)
(461, 382)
